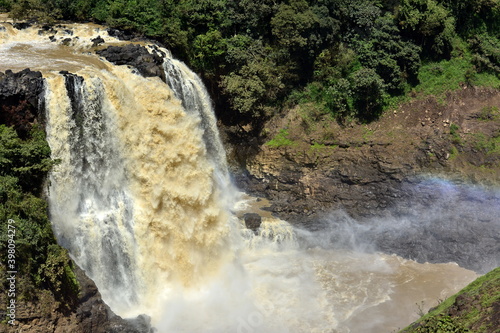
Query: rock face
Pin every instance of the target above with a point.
(93, 315)
(148, 64)
(121, 34)
(21, 102)
(381, 174)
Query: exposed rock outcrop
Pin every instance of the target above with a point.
(252, 221)
(21, 102)
(137, 56)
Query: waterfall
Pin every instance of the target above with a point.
(91, 207)
(136, 197)
(141, 198)
(189, 88)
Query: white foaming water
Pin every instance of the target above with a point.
(142, 200)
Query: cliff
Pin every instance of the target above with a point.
(432, 163)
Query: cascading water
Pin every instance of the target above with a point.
(142, 200)
(91, 207)
(149, 214)
(190, 90)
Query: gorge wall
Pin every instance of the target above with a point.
(432, 163)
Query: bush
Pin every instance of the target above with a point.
(368, 94)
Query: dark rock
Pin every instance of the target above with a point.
(93, 315)
(21, 101)
(148, 64)
(97, 41)
(66, 41)
(22, 25)
(46, 29)
(252, 221)
(122, 35)
(52, 38)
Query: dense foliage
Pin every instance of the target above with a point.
(40, 262)
(350, 58)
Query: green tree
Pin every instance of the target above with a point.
(430, 24)
(23, 166)
(5, 5)
(257, 82)
(368, 93)
(396, 61)
(209, 51)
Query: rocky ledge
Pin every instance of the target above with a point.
(137, 56)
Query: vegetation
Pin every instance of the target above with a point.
(40, 262)
(280, 140)
(473, 309)
(352, 59)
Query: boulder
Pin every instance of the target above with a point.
(97, 41)
(252, 221)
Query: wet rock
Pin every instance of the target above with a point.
(21, 102)
(93, 315)
(120, 34)
(252, 221)
(137, 56)
(97, 41)
(66, 41)
(46, 29)
(22, 25)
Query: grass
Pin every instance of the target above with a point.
(367, 134)
(436, 78)
(319, 146)
(455, 136)
(453, 153)
(489, 113)
(486, 144)
(280, 140)
(483, 292)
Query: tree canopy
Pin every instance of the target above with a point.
(256, 54)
